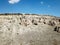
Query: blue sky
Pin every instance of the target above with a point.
(50, 7)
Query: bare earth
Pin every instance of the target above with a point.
(29, 30)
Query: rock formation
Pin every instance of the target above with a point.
(29, 29)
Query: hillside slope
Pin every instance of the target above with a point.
(29, 30)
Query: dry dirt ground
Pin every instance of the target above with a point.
(28, 30)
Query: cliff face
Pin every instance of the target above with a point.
(29, 30)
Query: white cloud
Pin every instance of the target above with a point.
(42, 2)
(13, 1)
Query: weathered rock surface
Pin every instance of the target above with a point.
(29, 30)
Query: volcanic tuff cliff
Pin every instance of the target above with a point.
(19, 29)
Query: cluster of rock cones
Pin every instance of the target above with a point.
(29, 29)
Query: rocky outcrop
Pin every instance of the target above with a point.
(29, 29)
